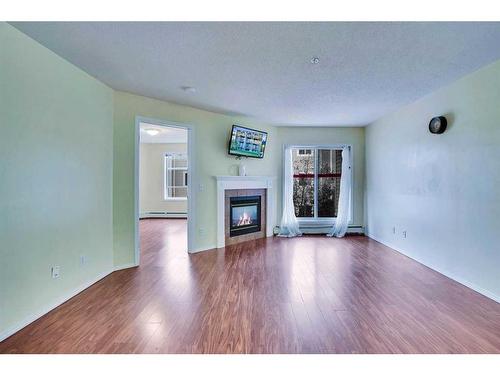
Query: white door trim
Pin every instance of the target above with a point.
(191, 192)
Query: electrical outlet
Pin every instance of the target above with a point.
(404, 234)
(56, 271)
(202, 231)
(201, 187)
(83, 260)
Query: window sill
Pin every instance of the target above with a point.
(175, 199)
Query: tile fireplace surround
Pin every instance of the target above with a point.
(254, 183)
(260, 232)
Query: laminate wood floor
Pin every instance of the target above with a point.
(304, 295)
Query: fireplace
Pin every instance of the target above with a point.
(244, 215)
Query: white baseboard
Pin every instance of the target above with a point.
(356, 229)
(125, 266)
(171, 215)
(200, 249)
(446, 273)
(41, 312)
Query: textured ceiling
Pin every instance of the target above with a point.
(263, 70)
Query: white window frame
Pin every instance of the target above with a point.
(321, 220)
(166, 169)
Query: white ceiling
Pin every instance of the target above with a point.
(263, 70)
(165, 135)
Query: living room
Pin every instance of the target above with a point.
(250, 187)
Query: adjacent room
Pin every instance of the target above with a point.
(163, 190)
(250, 187)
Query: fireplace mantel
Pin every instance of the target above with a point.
(245, 182)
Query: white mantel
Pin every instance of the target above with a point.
(245, 182)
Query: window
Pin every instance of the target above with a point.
(176, 176)
(316, 182)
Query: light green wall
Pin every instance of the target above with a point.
(152, 178)
(330, 136)
(443, 190)
(212, 132)
(55, 178)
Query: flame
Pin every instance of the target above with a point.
(245, 219)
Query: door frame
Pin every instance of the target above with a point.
(191, 192)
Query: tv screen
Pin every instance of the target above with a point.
(247, 142)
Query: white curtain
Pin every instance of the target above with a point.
(289, 226)
(340, 227)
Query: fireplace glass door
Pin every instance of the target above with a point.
(244, 215)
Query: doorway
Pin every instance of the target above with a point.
(163, 183)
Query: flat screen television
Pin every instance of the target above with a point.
(247, 142)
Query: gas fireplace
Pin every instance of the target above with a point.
(244, 215)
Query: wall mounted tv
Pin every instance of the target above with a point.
(247, 142)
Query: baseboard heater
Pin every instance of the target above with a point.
(151, 214)
(324, 229)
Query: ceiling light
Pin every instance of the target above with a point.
(315, 60)
(188, 89)
(152, 132)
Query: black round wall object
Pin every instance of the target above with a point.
(437, 125)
